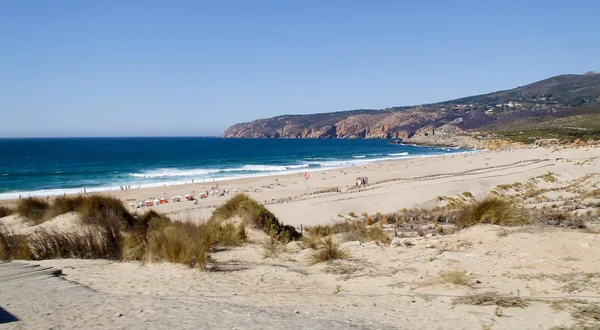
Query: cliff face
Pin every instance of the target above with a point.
(444, 120)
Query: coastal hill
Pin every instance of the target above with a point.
(545, 99)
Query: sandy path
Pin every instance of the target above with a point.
(379, 287)
(54, 303)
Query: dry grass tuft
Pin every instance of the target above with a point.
(456, 277)
(94, 242)
(352, 230)
(273, 249)
(94, 209)
(310, 242)
(32, 209)
(5, 211)
(257, 215)
(342, 269)
(184, 243)
(492, 210)
(561, 219)
(329, 250)
(491, 299)
(13, 246)
(109, 231)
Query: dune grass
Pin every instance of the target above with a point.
(257, 215)
(95, 242)
(456, 277)
(184, 243)
(109, 231)
(352, 230)
(328, 250)
(5, 211)
(491, 210)
(13, 246)
(32, 209)
(92, 209)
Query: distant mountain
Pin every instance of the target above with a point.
(543, 98)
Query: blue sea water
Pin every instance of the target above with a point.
(39, 167)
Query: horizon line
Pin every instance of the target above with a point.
(111, 137)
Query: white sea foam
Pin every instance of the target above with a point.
(359, 156)
(200, 172)
(171, 172)
(399, 154)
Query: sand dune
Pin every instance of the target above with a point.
(482, 277)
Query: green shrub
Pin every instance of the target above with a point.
(491, 210)
(32, 209)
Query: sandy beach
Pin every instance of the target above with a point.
(393, 185)
(490, 277)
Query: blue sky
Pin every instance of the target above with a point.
(158, 68)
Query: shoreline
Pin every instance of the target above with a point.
(409, 183)
(57, 192)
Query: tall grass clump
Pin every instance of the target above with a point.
(62, 205)
(109, 231)
(5, 211)
(32, 209)
(328, 250)
(95, 209)
(255, 214)
(94, 242)
(184, 243)
(491, 210)
(13, 246)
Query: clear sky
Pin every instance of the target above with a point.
(158, 68)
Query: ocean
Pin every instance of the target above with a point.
(53, 166)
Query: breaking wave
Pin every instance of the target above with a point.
(198, 172)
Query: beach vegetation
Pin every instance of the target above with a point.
(256, 215)
(109, 231)
(310, 242)
(5, 211)
(92, 242)
(182, 242)
(62, 205)
(32, 209)
(549, 177)
(456, 277)
(328, 250)
(363, 230)
(492, 299)
(491, 210)
(13, 246)
(95, 209)
(273, 249)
